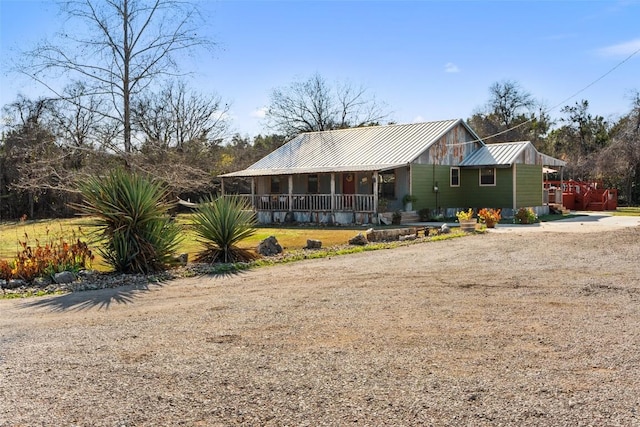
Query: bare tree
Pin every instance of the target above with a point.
(510, 115)
(313, 105)
(620, 161)
(118, 47)
(508, 100)
(182, 131)
(175, 117)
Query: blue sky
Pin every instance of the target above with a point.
(427, 60)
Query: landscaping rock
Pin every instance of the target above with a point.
(182, 259)
(407, 237)
(64, 277)
(313, 244)
(444, 229)
(42, 282)
(15, 283)
(289, 218)
(269, 247)
(359, 240)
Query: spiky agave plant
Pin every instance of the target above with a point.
(220, 224)
(130, 213)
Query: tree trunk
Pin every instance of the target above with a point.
(126, 89)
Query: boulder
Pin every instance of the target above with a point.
(64, 277)
(444, 229)
(313, 244)
(269, 247)
(15, 283)
(360, 240)
(407, 237)
(42, 282)
(289, 218)
(182, 259)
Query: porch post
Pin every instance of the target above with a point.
(333, 191)
(562, 185)
(221, 187)
(375, 192)
(290, 193)
(253, 192)
(515, 189)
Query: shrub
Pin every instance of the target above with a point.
(489, 216)
(383, 204)
(220, 224)
(131, 220)
(425, 214)
(409, 198)
(525, 216)
(55, 256)
(465, 215)
(396, 218)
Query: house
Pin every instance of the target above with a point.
(352, 175)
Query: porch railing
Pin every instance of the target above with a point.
(310, 202)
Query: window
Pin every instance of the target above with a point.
(275, 184)
(387, 187)
(488, 176)
(312, 184)
(454, 180)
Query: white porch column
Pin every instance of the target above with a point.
(333, 191)
(253, 192)
(515, 186)
(375, 191)
(290, 193)
(562, 185)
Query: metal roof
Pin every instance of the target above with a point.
(495, 154)
(507, 153)
(355, 149)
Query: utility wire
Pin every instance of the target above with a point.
(619, 64)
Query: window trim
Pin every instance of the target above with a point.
(451, 184)
(493, 184)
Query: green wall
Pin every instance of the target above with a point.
(529, 185)
(424, 178)
(498, 196)
(470, 193)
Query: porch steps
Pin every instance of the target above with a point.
(557, 207)
(595, 206)
(409, 217)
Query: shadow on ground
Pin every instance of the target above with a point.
(101, 299)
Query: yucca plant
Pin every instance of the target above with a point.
(220, 224)
(130, 213)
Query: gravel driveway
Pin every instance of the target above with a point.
(509, 328)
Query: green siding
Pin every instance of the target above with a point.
(470, 193)
(477, 196)
(528, 185)
(424, 178)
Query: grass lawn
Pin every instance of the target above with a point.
(627, 211)
(291, 238)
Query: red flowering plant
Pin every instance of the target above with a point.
(490, 217)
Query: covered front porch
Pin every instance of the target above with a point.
(315, 208)
(349, 197)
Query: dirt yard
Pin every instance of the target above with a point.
(502, 329)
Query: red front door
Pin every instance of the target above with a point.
(348, 188)
(348, 183)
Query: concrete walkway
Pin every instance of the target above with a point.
(586, 222)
